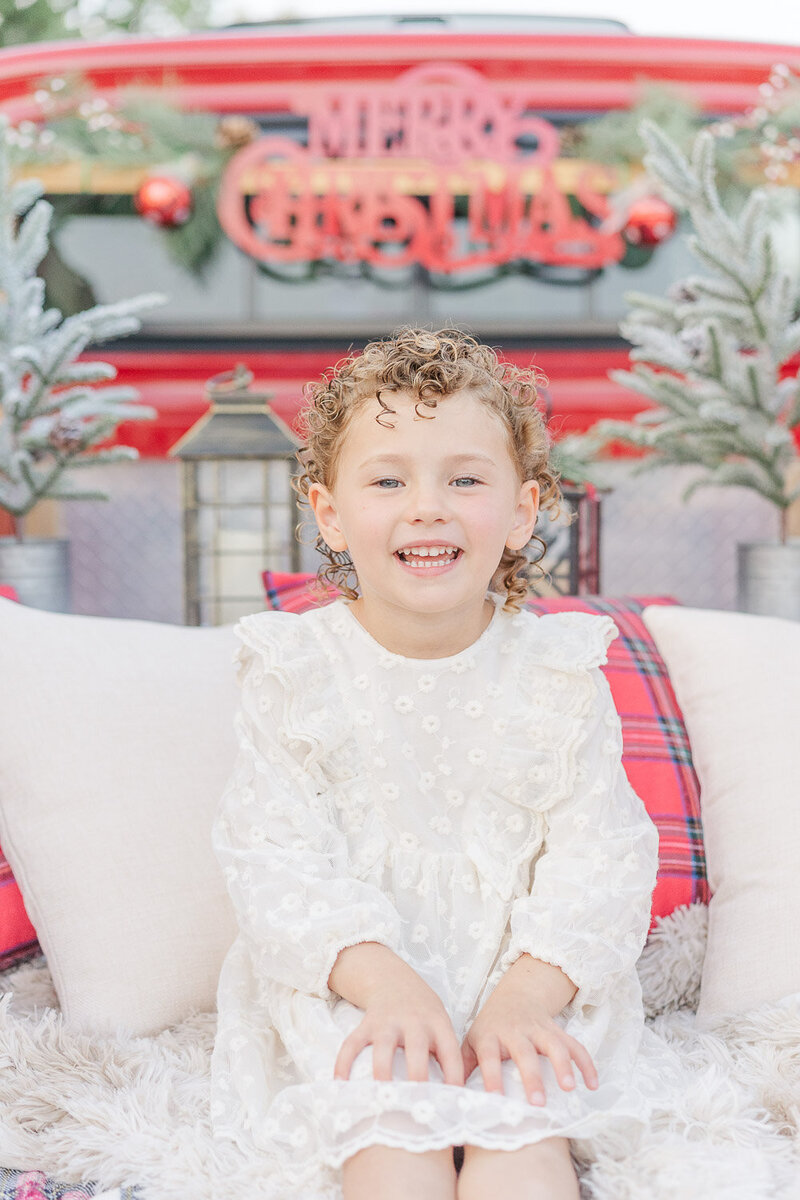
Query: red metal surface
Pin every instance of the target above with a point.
(579, 390)
(254, 72)
(174, 384)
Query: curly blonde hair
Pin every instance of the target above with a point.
(428, 365)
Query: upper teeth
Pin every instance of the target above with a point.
(429, 551)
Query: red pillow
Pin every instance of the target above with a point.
(17, 935)
(656, 752)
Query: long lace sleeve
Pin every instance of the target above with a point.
(284, 859)
(588, 910)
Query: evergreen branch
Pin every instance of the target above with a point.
(109, 455)
(31, 241)
(665, 390)
(752, 217)
(47, 398)
(716, 351)
(62, 493)
(737, 475)
(793, 416)
(789, 343)
(720, 289)
(668, 165)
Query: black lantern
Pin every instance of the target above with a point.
(240, 512)
(572, 558)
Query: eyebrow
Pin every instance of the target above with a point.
(451, 458)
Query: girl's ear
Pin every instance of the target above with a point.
(525, 516)
(326, 516)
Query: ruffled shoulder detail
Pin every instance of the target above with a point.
(567, 641)
(556, 660)
(286, 648)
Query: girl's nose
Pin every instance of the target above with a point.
(426, 503)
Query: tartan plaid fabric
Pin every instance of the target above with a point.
(656, 752)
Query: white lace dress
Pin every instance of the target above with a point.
(460, 810)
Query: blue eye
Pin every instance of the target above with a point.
(461, 478)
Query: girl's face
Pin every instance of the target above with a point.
(445, 480)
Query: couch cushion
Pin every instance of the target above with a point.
(116, 740)
(656, 753)
(737, 677)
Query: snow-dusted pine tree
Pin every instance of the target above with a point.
(51, 415)
(711, 352)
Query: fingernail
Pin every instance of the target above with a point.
(569, 1081)
(537, 1097)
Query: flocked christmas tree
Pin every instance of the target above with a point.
(711, 353)
(51, 413)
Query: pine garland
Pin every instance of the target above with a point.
(709, 353)
(51, 415)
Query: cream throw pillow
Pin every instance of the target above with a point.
(737, 680)
(116, 740)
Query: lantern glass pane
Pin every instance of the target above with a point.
(278, 473)
(206, 528)
(241, 482)
(280, 533)
(247, 518)
(206, 568)
(207, 483)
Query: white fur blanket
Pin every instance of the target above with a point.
(135, 1111)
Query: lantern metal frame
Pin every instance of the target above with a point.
(574, 570)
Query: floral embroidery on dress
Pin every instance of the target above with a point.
(460, 811)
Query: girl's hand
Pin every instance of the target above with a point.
(513, 1025)
(403, 1011)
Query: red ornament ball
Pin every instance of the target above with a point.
(650, 221)
(164, 200)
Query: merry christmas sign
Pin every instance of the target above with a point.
(440, 168)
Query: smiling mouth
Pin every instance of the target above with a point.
(422, 562)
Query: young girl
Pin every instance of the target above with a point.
(441, 874)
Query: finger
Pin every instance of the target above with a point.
(383, 1049)
(526, 1057)
(489, 1060)
(554, 1049)
(417, 1049)
(584, 1062)
(469, 1059)
(352, 1045)
(451, 1060)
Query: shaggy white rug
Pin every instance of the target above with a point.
(135, 1110)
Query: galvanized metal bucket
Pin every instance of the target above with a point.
(768, 578)
(38, 569)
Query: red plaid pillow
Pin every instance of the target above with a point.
(656, 752)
